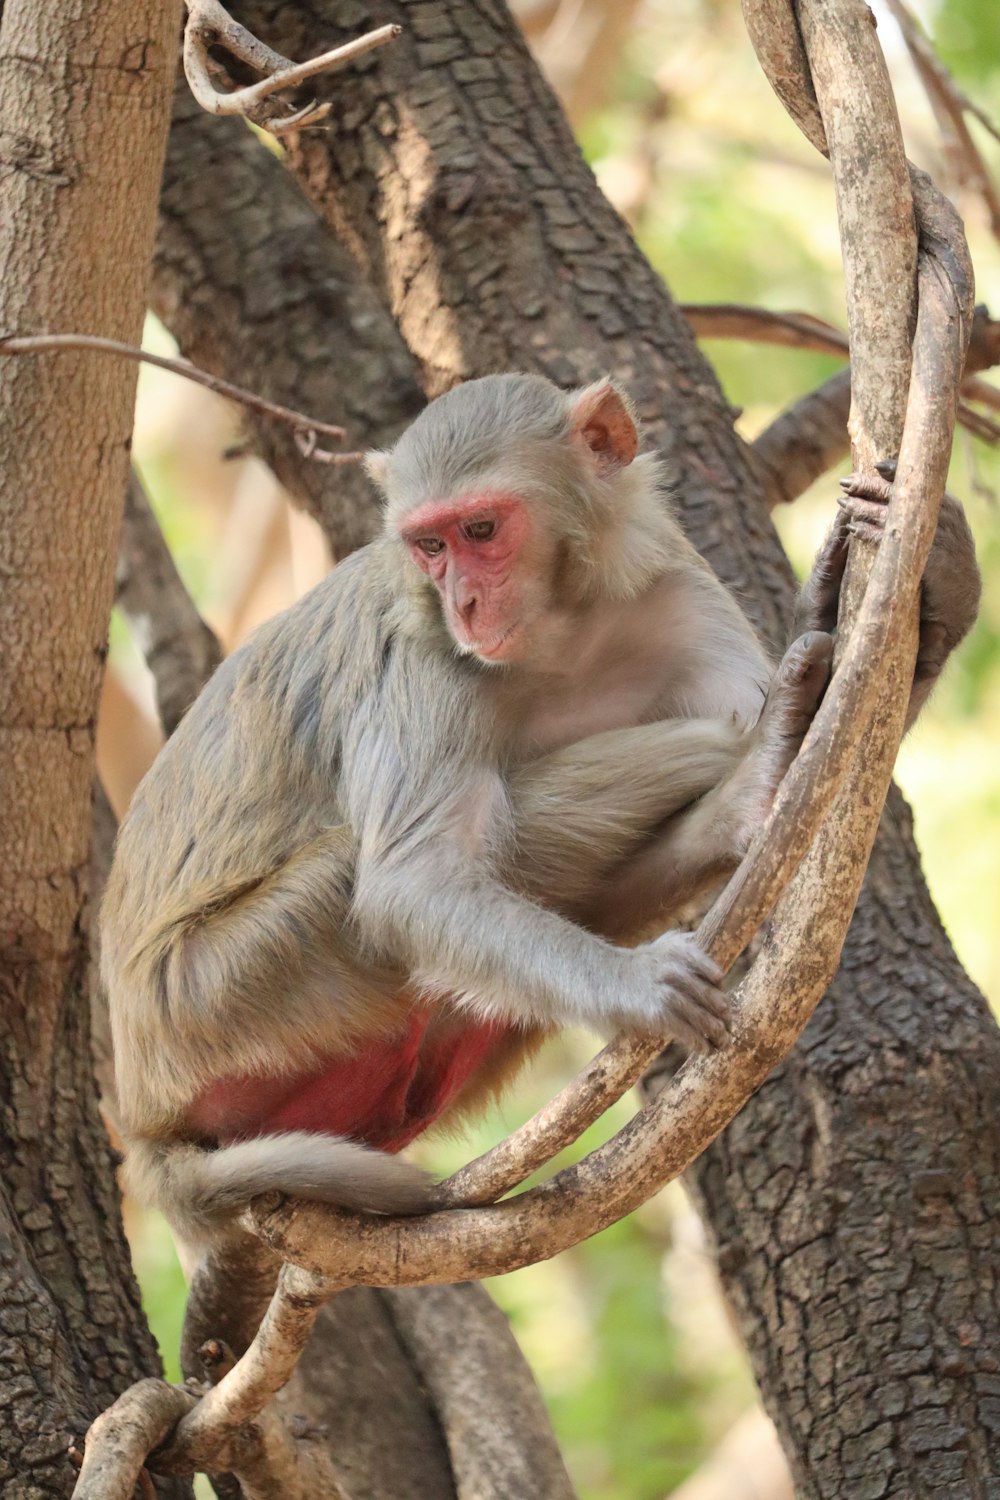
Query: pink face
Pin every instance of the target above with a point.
(473, 550)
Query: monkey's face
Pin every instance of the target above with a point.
(491, 567)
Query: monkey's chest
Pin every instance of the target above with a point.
(383, 1096)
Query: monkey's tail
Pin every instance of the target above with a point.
(203, 1188)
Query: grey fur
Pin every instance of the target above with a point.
(211, 1186)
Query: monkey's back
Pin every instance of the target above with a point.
(253, 770)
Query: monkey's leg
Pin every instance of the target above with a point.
(580, 811)
(699, 845)
(287, 938)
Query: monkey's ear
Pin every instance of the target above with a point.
(377, 467)
(605, 419)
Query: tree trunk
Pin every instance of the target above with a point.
(83, 118)
(854, 1246)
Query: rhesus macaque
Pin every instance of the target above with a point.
(383, 854)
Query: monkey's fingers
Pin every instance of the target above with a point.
(855, 509)
(797, 687)
(696, 1030)
(868, 487)
(685, 949)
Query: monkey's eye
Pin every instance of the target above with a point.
(430, 546)
(479, 531)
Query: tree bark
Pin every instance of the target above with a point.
(83, 119)
(854, 1246)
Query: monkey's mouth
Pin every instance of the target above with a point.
(494, 649)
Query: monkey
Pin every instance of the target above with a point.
(386, 851)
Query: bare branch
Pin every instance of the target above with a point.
(210, 26)
(227, 1429)
(759, 325)
(122, 1437)
(307, 429)
(950, 107)
(179, 649)
(259, 1373)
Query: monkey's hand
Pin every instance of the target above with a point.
(949, 597)
(675, 987)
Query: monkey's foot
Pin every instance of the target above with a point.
(865, 499)
(793, 697)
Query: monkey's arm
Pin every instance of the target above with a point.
(429, 892)
(949, 596)
(580, 811)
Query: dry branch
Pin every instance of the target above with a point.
(307, 429)
(759, 325)
(950, 108)
(209, 1430)
(122, 1437)
(210, 28)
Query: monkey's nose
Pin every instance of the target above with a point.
(467, 606)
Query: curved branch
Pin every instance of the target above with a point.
(121, 1438)
(204, 1436)
(210, 25)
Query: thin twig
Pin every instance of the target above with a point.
(307, 429)
(950, 106)
(210, 25)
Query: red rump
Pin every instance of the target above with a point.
(384, 1096)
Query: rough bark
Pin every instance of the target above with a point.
(83, 119)
(260, 288)
(451, 173)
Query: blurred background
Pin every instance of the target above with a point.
(648, 1387)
